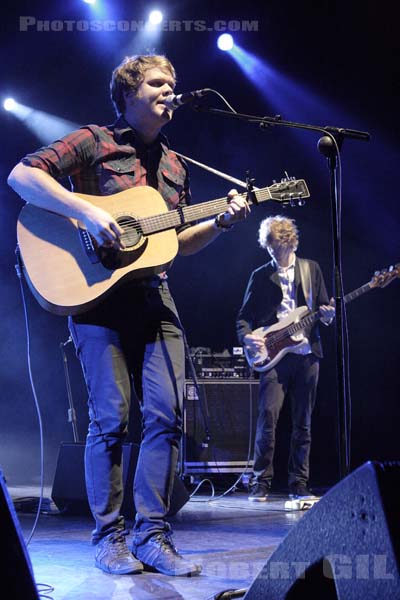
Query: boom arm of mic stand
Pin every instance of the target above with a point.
(264, 122)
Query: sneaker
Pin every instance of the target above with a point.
(300, 491)
(159, 553)
(113, 556)
(259, 492)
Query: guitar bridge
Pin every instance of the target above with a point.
(87, 244)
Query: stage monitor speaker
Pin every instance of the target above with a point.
(16, 574)
(346, 547)
(69, 488)
(231, 410)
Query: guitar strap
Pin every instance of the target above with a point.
(305, 278)
(238, 182)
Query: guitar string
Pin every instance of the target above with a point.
(172, 217)
(295, 327)
(347, 298)
(289, 331)
(196, 210)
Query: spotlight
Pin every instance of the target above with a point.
(90, 1)
(9, 104)
(225, 42)
(155, 17)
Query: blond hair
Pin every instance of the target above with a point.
(128, 76)
(281, 229)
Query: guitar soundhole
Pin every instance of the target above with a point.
(135, 245)
(132, 231)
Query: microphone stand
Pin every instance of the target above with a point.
(71, 410)
(202, 404)
(329, 145)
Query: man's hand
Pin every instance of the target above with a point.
(237, 210)
(103, 227)
(253, 342)
(327, 312)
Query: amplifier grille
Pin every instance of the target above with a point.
(230, 408)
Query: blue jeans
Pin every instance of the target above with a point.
(146, 349)
(295, 376)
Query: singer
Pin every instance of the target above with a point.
(131, 344)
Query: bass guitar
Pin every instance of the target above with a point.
(68, 272)
(280, 338)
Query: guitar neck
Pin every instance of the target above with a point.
(314, 316)
(358, 292)
(188, 214)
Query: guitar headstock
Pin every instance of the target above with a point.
(290, 191)
(385, 276)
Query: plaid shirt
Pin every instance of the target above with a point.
(106, 160)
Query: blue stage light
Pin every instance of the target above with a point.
(9, 104)
(225, 42)
(155, 17)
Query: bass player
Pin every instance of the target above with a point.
(273, 293)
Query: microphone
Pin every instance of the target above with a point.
(172, 101)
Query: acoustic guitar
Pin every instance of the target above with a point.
(69, 273)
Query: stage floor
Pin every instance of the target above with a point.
(230, 537)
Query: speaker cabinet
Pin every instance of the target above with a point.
(228, 409)
(16, 573)
(69, 487)
(346, 547)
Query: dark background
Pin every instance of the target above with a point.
(334, 63)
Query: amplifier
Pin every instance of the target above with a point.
(228, 409)
(222, 365)
(236, 372)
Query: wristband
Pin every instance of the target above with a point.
(220, 225)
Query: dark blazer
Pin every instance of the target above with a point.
(263, 296)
